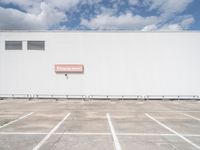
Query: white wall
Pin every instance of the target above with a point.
(115, 63)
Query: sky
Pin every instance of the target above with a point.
(139, 15)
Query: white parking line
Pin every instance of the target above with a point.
(156, 134)
(116, 141)
(192, 117)
(96, 133)
(174, 111)
(23, 133)
(191, 135)
(50, 133)
(83, 133)
(171, 130)
(55, 133)
(144, 134)
(18, 119)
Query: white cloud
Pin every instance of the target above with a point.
(15, 19)
(21, 3)
(133, 2)
(64, 5)
(34, 5)
(183, 23)
(50, 16)
(47, 14)
(127, 21)
(169, 7)
(151, 27)
(171, 27)
(31, 6)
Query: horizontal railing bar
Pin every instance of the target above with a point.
(59, 96)
(173, 95)
(99, 97)
(122, 97)
(42, 96)
(15, 95)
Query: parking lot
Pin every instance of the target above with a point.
(99, 125)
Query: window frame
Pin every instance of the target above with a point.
(7, 42)
(36, 49)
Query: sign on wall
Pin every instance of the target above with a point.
(69, 68)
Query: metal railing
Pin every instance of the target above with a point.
(171, 97)
(15, 96)
(99, 97)
(115, 97)
(41, 96)
(57, 97)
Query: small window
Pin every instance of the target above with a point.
(13, 45)
(36, 45)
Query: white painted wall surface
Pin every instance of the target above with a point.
(115, 63)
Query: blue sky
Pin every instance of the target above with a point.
(139, 15)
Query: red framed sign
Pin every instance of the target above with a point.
(69, 68)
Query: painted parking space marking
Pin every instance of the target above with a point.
(195, 118)
(173, 131)
(23, 133)
(145, 134)
(96, 134)
(50, 133)
(83, 133)
(16, 120)
(89, 127)
(114, 136)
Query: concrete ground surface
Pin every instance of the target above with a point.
(99, 125)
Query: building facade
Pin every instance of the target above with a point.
(102, 63)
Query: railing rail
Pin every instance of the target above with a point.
(118, 97)
(41, 96)
(14, 96)
(171, 97)
(100, 97)
(51, 96)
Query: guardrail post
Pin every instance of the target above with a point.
(29, 96)
(82, 97)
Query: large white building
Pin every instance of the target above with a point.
(114, 63)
